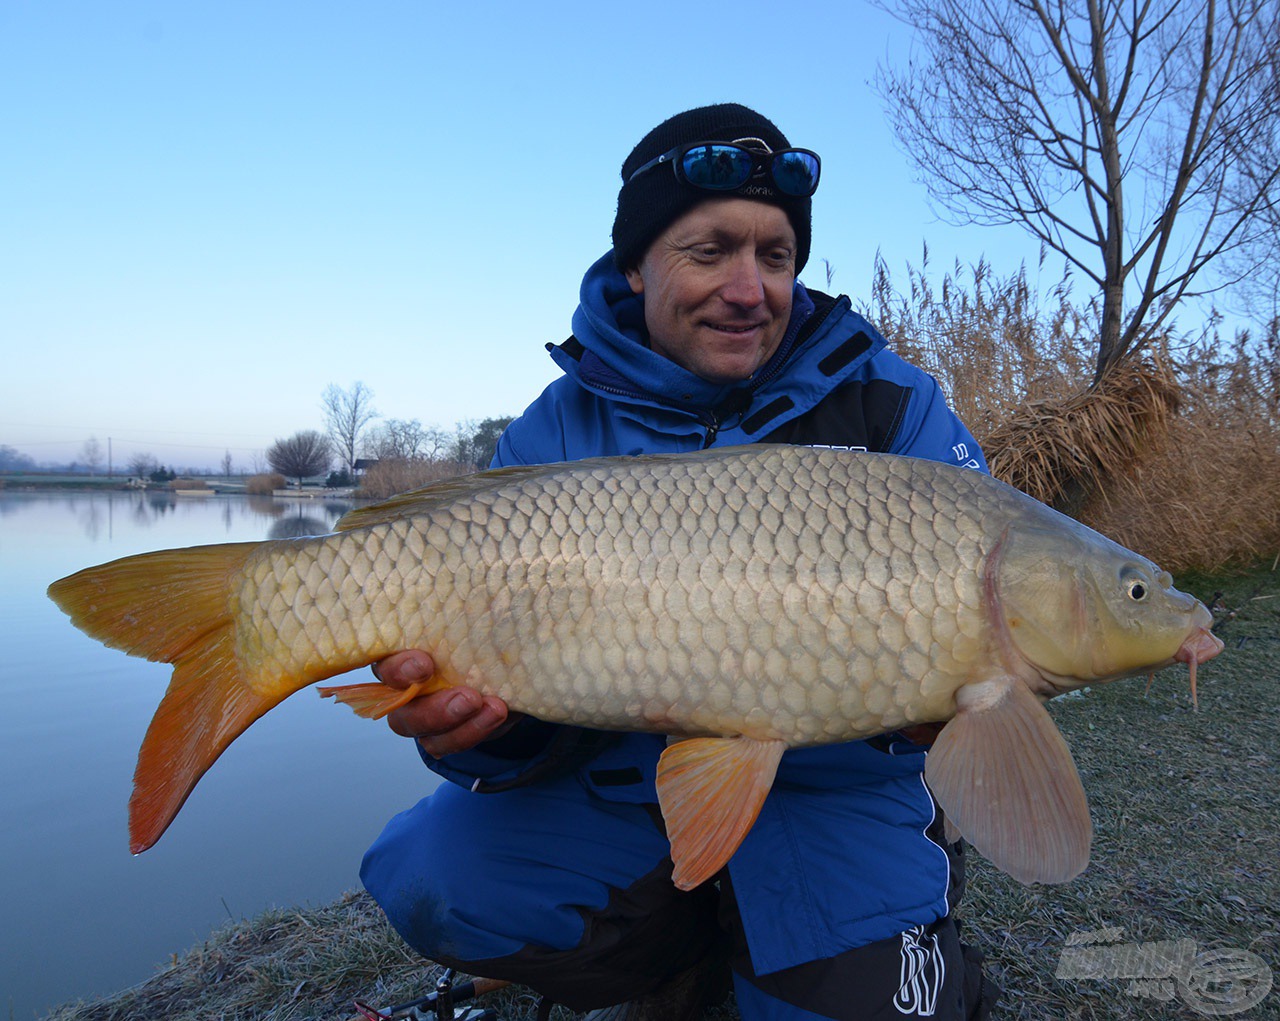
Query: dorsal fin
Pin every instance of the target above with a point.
(428, 498)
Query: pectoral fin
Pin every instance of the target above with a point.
(1006, 781)
(711, 789)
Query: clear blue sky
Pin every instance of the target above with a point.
(211, 211)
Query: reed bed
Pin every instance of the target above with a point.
(264, 485)
(1176, 454)
(389, 477)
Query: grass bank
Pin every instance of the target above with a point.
(1187, 847)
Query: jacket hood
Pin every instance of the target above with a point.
(609, 324)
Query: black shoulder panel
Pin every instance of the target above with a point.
(857, 414)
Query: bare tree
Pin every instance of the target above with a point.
(226, 465)
(346, 414)
(142, 465)
(400, 440)
(91, 454)
(1260, 291)
(474, 443)
(301, 455)
(1137, 138)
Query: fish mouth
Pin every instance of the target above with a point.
(1202, 644)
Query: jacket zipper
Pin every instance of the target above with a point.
(810, 327)
(713, 430)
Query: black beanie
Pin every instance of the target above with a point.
(657, 198)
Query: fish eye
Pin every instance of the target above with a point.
(1137, 584)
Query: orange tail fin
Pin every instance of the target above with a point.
(174, 607)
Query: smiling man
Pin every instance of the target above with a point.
(545, 861)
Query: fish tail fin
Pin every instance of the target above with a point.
(173, 606)
(154, 605)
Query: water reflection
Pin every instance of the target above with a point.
(99, 513)
(267, 506)
(268, 825)
(159, 502)
(295, 527)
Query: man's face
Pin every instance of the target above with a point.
(717, 287)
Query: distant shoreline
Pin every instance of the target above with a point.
(31, 482)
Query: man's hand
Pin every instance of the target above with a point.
(443, 722)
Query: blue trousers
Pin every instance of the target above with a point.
(571, 895)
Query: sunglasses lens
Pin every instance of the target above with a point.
(796, 173)
(717, 167)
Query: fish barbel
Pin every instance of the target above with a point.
(742, 600)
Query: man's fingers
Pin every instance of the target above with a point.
(485, 723)
(444, 722)
(402, 669)
(450, 721)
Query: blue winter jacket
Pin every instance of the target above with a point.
(839, 856)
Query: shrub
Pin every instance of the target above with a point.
(389, 477)
(264, 485)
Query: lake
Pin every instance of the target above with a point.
(282, 819)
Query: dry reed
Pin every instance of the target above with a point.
(1176, 457)
(1209, 497)
(1060, 448)
(985, 338)
(389, 477)
(264, 485)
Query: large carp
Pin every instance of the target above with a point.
(742, 600)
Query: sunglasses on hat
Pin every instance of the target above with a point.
(727, 166)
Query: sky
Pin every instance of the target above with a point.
(209, 212)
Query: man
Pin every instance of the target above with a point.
(545, 861)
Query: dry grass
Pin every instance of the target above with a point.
(1053, 447)
(264, 485)
(284, 964)
(389, 477)
(1186, 510)
(1209, 497)
(1176, 456)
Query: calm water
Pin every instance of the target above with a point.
(281, 819)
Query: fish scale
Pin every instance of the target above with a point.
(743, 600)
